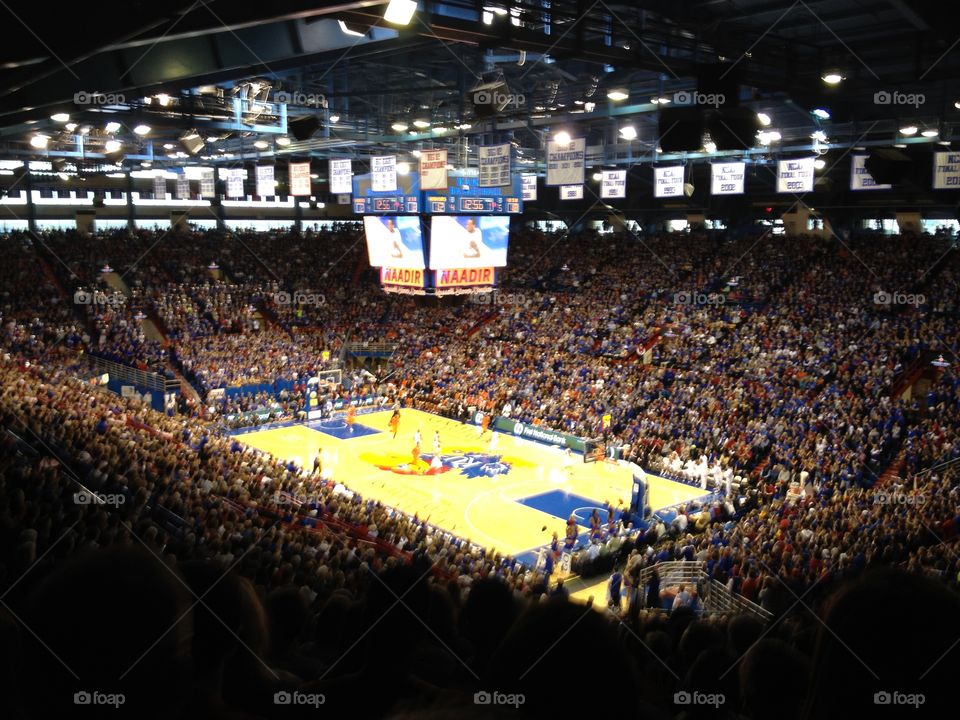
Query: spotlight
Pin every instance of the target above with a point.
(618, 94)
(421, 123)
(657, 100)
(819, 163)
(283, 141)
(399, 126)
(334, 119)
(39, 141)
(168, 146)
(261, 144)
(400, 12)
(764, 119)
(908, 130)
(710, 146)
(597, 176)
(821, 113)
(70, 127)
(628, 132)
(832, 78)
(60, 117)
(403, 168)
(930, 133)
(112, 146)
(212, 139)
(819, 135)
(562, 138)
(163, 99)
(142, 129)
(111, 127)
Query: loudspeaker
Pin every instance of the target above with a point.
(887, 166)
(733, 128)
(489, 99)
(303, 128)
(192, 142)
(681, 128)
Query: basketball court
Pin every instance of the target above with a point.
(510, 497)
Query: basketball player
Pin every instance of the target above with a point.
(494, 439)
(484, 424)
(417, 439)
(473, 250)
(395, 423)
(351, 417)
(395, 251)
(436, 442)
(318, 463)
(416, 457)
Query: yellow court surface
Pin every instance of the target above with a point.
(506, 494)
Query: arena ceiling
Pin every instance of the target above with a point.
(352, 80)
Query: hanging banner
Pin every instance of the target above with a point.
(159, 187)
(383, 172)
(235, 182)
(860, 179)
(613, 184)
(946, 171)
(494, 165)
(341, 177)
(433, 170)
(571, 192)
(528, 186)
(300, 178)
(183, 187)
(795, 175)
(208, 186)
(265, 184)
(565, 162)
(727, 178)
(668, 181)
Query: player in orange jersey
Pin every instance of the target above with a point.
(395, 423)
(351, 417)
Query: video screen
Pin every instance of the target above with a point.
(468, 241)
(394, 241)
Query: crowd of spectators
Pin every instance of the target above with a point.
(772, 361)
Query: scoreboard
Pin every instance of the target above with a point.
(453, 204)
(371, 205)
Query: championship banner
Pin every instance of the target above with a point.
(613, 184)
(946, 171)
(795, 175)
(494, 165)
(265, 185)
(404, 277)
(463, 277)
(183, 187)
(528, 186)
(159, 187)
(571, 192)
(860, 179)
(299, 178)
(208, 186)
(668, 181)
(235, 182)
(565, 162)
(341, 177)
(727, 178)
(383, 173)
(433, 170)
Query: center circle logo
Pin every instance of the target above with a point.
(518, 429)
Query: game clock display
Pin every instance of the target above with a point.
(393, 204)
